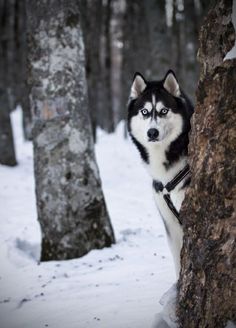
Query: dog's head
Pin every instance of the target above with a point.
(158, 111)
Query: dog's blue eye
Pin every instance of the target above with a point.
(164, 111)
(144, 112)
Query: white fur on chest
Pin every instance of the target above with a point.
(158, 171)
(173, 229)
(158, 161)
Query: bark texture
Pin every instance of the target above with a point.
(70, 202)
(207, 285)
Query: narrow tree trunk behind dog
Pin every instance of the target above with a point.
(96, 21)
(91, 21)
(20, 74)
(106, 115)
(70, 203)
(136, 48)
(7, 150)
(158, 38)
(207, 285)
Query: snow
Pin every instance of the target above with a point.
(167, 317)
(116, 287)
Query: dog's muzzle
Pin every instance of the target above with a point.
(152, 134)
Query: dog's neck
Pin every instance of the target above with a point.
(167, 159)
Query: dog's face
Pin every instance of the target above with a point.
(156, 110)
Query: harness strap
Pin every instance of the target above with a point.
(172, 207)
(177, 179)
(158, 186)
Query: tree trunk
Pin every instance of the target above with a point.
(207, 285)
(117, 12)
(70, 202)
(20, 74)
(7, 151)
(136, 48)
(191, 28)
(158, 38)
(91, 18)
(106, 115)
(178, 51)
(96, 20)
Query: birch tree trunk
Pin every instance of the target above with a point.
(70, 202)
(207, 285)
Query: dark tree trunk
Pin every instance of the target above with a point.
(91, 18)
(158, 38)
(106, 114)
(21, 89)
(191, 27)
(178, 42)
(118, 7)
(96, 20)
(136, 47)
(70, 202)
(7, 151)
(207, 285)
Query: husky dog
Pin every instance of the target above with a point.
(159, 122)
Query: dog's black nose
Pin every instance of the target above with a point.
(152, 134)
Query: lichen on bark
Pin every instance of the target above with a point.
(70, 203)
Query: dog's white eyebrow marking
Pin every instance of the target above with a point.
(153, 105)
(148, 106)
(159, 106)
(153, 100)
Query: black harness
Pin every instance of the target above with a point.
(158, 186)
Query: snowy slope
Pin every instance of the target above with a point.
(118, 287)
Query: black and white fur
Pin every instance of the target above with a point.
(159, 122)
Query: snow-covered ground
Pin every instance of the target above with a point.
(117, 287)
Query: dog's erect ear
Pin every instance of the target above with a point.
(171, 84)
(139, 84)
